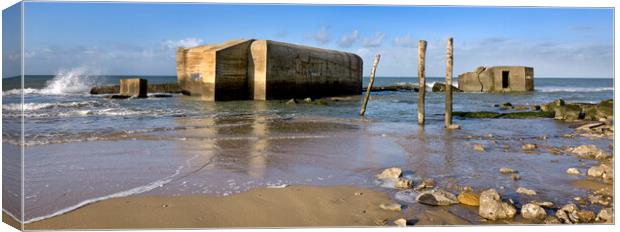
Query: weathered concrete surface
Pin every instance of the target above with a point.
(152, 88)
(133, 87)
(265, 69)
(519, 78)
(215, 72)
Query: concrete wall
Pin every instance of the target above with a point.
(282, 70)
(265, 69)
(490, 79)
(215, 72)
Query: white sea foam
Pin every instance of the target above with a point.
(73, 81)
(40, 106)
(573, 89)
(137, 190)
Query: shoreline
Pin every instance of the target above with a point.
(292, 206)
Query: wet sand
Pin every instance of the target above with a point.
(292, 206)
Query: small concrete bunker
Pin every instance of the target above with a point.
(498, 79)
(265, 69)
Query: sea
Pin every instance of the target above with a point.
(81, 148)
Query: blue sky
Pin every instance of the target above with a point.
(140, 39)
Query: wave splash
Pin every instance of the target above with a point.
(573, 89)
(73, 81)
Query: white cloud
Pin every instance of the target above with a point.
(322, 36)
(374, 41)
(347, 40)
(405, 41)
(184, 43)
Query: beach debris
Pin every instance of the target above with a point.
(528, 147)
(401, 222)
(403, 183)
(390, 173)
(426, 184)
(372, 80)
(526, 191)
(606, 215)
(603, 171)
(515, 177)
(589, 152)
(533, 212)
(544, 204)
(468, 197)
(437, 197)
(478, 147)
(358, 193)
(573, 171)
(390, 207)
(492, 208)
(293, 101)
(505, 170)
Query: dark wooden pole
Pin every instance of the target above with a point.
(422, 80)
(449, 61)
(372, 80)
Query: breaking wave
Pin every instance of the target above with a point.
(573, 89)
(73, 81)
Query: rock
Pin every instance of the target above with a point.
(505, 106)
(321, 101)
(580, 200)
(544, 204)
(589, 152)
(533, 212)
(600, 199)
(568, 113)
(406, 196)
(293, 101)
(589, 126)
(469, 198)
(606, 215)
(453, 127)
(552, 220)
(602, 171)
(403, 183)
(116, 96)
(390, 173)
(437, 197)
(401, 222)
(492, 207)
(505, 170)
(526, 191)
(478, 147)
(528, 147)
(515, 177)
(585, 216)
(161, 95)
(573, 171)
(570, 214)
(390, 207)
(441, 87)
(308, 100)
(426, 183)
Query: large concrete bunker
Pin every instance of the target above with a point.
(265, 69)
(498, 79)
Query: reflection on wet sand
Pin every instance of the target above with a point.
(258, 149)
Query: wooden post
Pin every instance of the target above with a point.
(449, 61)
(422, 80)
(372, 80)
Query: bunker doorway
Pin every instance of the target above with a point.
(505, 79)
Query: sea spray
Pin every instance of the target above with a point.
(75, 80)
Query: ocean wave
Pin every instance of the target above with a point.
(573, 89)
(73, 81)
(42, 106)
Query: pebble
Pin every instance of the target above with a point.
(505, 170)
(528, 147)
(401, 222)
(390, 173)
(478, 147)
(390, 207)
(469, 198)
(437, 197)
(573, 171)
(526, 191)
(533, 212)
(492, 208)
